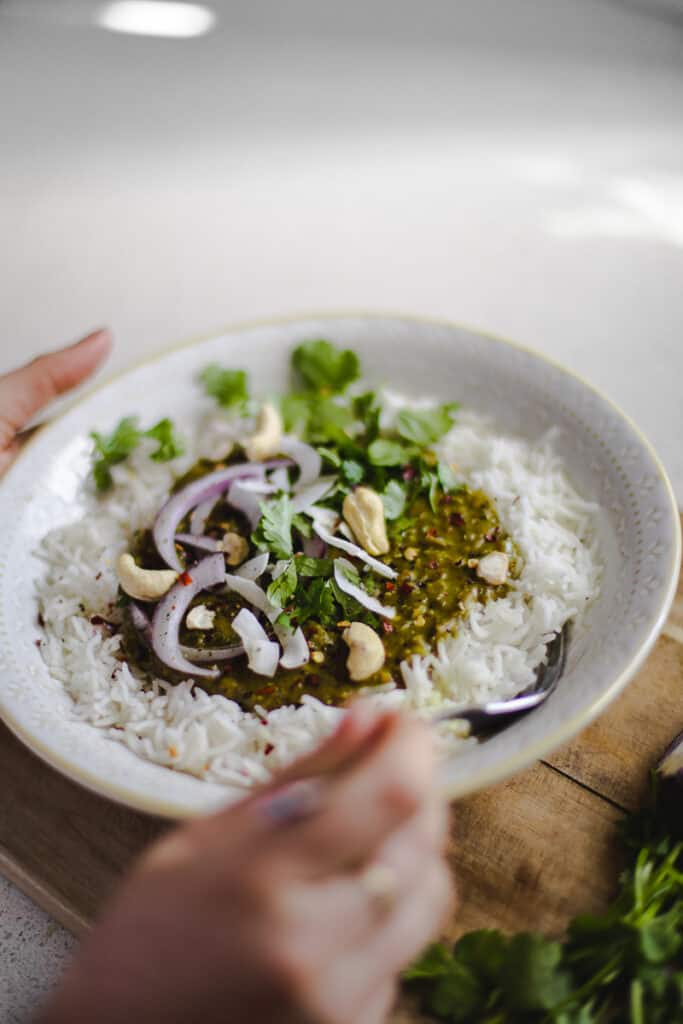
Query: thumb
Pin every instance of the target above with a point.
(25, 391)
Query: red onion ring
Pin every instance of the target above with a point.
(199, 491)
(198, 654)
(170, 612)
(200, 515)
(191, 540)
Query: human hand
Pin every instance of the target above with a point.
(27, 390)
(299, 904)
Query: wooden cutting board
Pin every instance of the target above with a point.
(528, 854)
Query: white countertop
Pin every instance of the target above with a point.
(524, 176)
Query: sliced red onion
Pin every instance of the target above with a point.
(141, 623)
(200, 515)
(327, 517)
(196, 493)
(353, 549)
(341, 567)
(254, 568)
(201, 543)
(295, 650)
(171, 610)
(279, 478)
(306, 498)
(248, 500)
(252, 593)
(208, 655)
(306, 458)
(262, 654)
(345, 530)
(314, 547)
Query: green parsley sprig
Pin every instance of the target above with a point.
(229, 387)
(625, 965)
(111, 449)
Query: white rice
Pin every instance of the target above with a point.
(494, 653)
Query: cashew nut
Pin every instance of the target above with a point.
(200, 617)
(366, 651)
(236, 548)
(265, 441)
(143, 584)
(494, 568)
(364, 512)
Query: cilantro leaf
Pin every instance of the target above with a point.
(170, 445)
(316, 602)
(425, 426)
(352, 471)
(302, 524)
(329, 454)
(110, 449)
(394, 499)
(322, 367)
(367, 409)
(274, 529)
(228, 387)
(284, 585)
(296, 412)
(328, 422)
(448, 477)
(307, 567)
(531, 977)
(383, 452)
(114, 448)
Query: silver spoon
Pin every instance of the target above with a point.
(486, 717)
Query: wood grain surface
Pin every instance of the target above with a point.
(527, 854)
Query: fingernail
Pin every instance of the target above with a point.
(101, 336)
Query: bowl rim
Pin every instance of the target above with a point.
(451, 788)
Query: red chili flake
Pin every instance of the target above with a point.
(266, 690)
(97, 620)
(269, 749)
(432, 532)
(389, 585)
(434, 564)
(409, 473)
(99, 576)
(38, 643)
(388, 627)
(185, 579)
(407, 587)
(263, 721)
(455, 519)
(313, 680)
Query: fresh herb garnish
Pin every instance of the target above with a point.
(352, 471)
(324, 368)
(274, 530)
(623, 965)
(394, 499)
(111, 449)
(284, 585)
(228, 387)
(170, 445)
(384, 452)
(425, 426)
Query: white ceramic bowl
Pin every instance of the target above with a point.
(606, 456)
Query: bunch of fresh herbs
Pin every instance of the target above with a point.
(625, 965)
